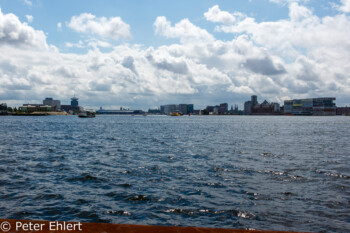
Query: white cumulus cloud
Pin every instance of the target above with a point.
(29, 18)
(113, 28)
(184, 30)
(345, 7)
(300, 56)
(13, 32)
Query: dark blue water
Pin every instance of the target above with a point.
(272, 173)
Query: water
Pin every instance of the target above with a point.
(272, 173)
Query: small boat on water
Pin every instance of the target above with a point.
(87, 114)
(175, 114)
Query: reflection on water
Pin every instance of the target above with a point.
(274, 173)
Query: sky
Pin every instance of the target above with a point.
(141, 54)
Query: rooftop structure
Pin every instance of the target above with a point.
(74, 102)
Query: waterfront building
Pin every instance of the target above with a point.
(74, 102)
(73, 107)
(314, 106)
(266, 108)
(154, 111)
(35, 108)
(223, 109)
(190, 108)
(56, 104)
(248, 107)
(183, 108)
(344, 111)
(210, 109)
(121, 111)
(252, 107)
(169, 108)
(215, 110)
(254, 100)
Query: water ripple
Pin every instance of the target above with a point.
(278, 173)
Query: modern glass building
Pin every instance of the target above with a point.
(315, 106)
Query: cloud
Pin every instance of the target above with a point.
(128, 62)
(284, 2)
(29, 18)
(15, 33)
(59, 26)
(300, 56)
(179, 67)
(184, 30)
(264, 66)
(111, 28)
(214, 14)
(27, 2)
(79, 44)
(345, 7)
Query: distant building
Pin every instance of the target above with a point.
(56, 104)
(254, 100)
(74, 102)
(73, 107)
(248, 107)
(35, 108)
(266, 108)
(216, 110)
(252, 107)
(154, 111)
(314, 106)
(183, 108)
(235, 111)
(196, 112)
(345, 111)
(190, 108)
(210, 109)
(119, 112)
(169, 108)
(223, 109)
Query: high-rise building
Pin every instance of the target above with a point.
(248, 107)
(254, 100)
(189, 108)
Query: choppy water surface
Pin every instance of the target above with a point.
(273, 173)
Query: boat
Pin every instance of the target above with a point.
(175, 114)
(87, 114)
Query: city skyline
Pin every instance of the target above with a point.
(142, 55)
